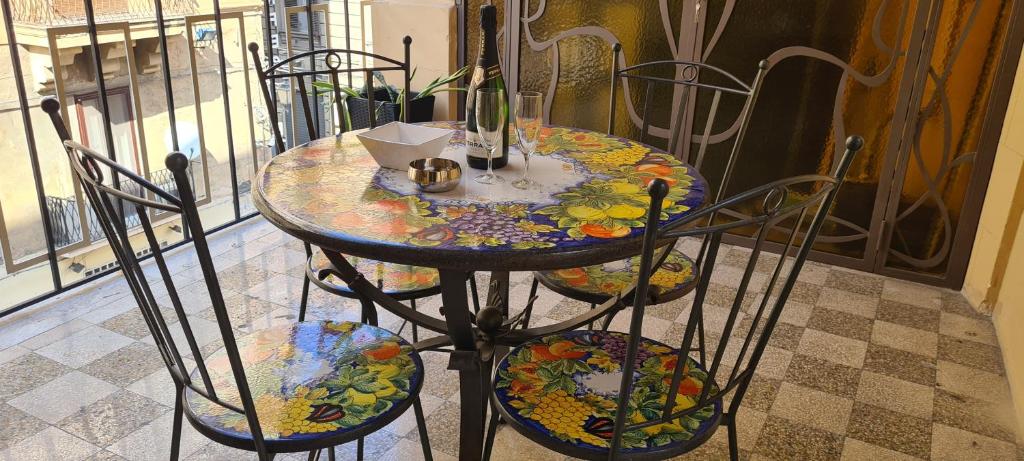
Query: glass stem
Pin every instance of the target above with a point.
(490, 161)
(526, 171)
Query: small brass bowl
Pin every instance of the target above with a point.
(435, 174)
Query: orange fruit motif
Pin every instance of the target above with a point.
(601, 231)
(541, 352)
(574, 277)
(564, 349)
(655, 169)
(519, 387)
(394, 206)
(384, 352)
(690, 386)
(556, 351)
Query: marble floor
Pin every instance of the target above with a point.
(861, 367)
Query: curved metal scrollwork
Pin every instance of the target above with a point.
(918, 164)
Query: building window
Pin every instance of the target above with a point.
(122, 125)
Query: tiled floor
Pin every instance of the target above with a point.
(861, 367)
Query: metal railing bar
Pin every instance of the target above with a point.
(222, 63)
(101, 88)
(266, 32)
(33, 154)
(78, 283)
(165, 61)
(312, 65)
(348, 42)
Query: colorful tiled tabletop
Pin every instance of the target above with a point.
(589, 207)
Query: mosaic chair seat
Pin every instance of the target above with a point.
(597, 284)
(406, 283)
(400, 281)
(311, 380)
(601, 395)
(306, 387)
(676, 277)
(563, 390)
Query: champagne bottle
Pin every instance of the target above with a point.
(487, 74)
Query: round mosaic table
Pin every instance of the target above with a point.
(589, 208)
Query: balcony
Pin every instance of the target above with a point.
(900, 338)
(49, 13)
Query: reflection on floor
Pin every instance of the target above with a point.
(861, 367)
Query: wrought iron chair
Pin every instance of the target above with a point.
(679, 273)
(564, 391)
(304, 387)
(400, 281)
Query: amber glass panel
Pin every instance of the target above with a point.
(941, 156)
(793, 128)
(578, 82)
(806, 102)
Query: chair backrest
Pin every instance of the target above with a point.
(325, 65)
(788, 201)
(691, 132)
(88, 168)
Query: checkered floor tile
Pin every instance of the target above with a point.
(860, 367)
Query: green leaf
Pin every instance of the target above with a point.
(367, 387)
(349, 421)
(381, 406)
(662, 439)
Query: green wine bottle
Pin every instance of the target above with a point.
(487, 74)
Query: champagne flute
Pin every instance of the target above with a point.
(491, 113)
(529, 105)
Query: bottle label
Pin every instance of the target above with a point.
(473, 146)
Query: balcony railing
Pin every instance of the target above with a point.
(71, 12)
(67, 228)
(46, 238)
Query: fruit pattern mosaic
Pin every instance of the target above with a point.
(334, 185)
(609, 279)
(312, 379)
(566, 387)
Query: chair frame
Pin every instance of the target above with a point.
(86, 166)
(776, 207)
(332, 61)
(691, 83)
(333, 71)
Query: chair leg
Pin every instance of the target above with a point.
(369, 314)
(608, 319)
(305, 299)
(176, 428)
(590, 326)
(734, 450)
(529, 308)
(492, 431)
(421, 425)
(305, 285)
(313, 456)
(415, 331)
(476, 295)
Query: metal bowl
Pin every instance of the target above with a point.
(435, 174)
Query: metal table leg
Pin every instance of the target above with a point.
(473, 372)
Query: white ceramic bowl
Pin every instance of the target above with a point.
(396, 144)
